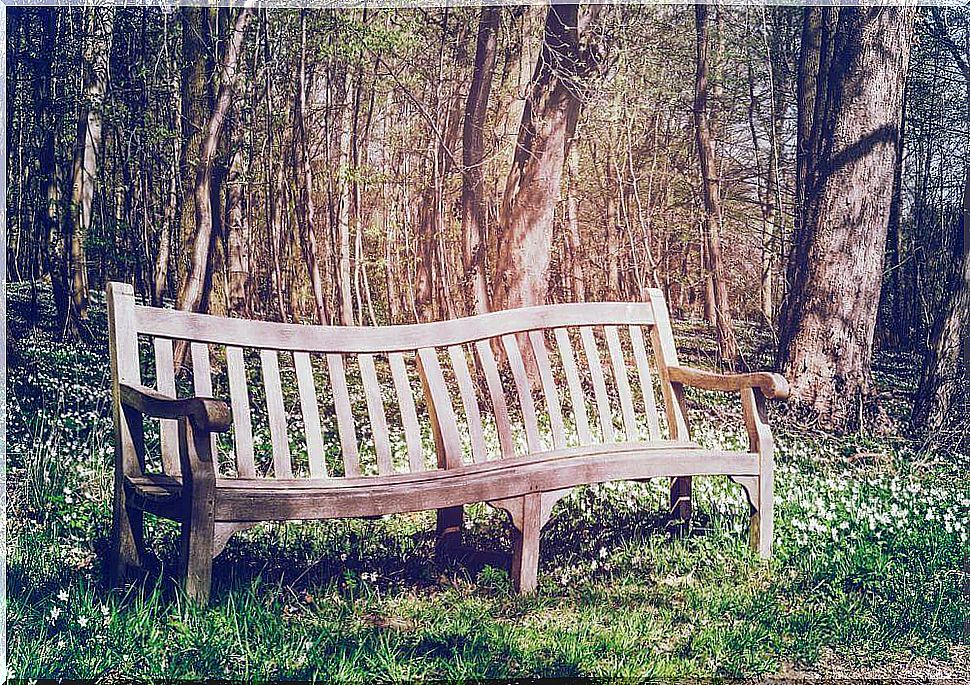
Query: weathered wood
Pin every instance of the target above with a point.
(198, 516)
(202, 384)
(599, 382)
(761, 492)
(500, 410)
(469, 401)
(576, 395)
(168, 429)
(525, 546)
(773, 385)
(345, 416)
(538, 340)
(207, 414)
(646, 381)
(440, 408)
(409, 416)
(375, 412)
(241, 418)
(526, 403)
(276, 411)
(618, 364)
(311, 414)
(356, 339)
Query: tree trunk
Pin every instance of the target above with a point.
(847, 213)
(77, 220)
(344, 285)
(724, 325)
(533, 184)
(473, 216)
(192, 293)
(238, 229)
(573, 240)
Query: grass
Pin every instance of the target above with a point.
(871, 562)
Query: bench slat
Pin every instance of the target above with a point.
(440, 407)
(526, 402)
(665, 352)
(409, 416)
(375, 411)
(500, 409)
(646, 381)
(622, 381)
(576, 395)
(538, 340)
(599, 383)
(469, 400)
(202, 384)
(241, 418)
(168, 428)
(269, 359)
(311, 414)
(345, 416)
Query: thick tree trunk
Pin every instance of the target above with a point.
(193, 291)
(533, 184)
(84, 169)
(724, 325)
(473, 215)
(847, 212)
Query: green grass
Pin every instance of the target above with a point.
(871, 560)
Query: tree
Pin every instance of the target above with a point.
(846, 212)
(727, 344)
(533, 183)
(193, 291)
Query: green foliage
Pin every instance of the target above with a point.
(871, 560)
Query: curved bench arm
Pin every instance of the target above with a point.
(772, 385)
(207, 414)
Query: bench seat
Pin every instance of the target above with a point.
(272, 499)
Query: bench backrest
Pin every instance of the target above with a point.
(389, 390)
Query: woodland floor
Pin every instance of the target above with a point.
(871, 574)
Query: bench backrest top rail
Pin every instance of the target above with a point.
(206, 328)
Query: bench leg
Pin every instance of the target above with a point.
(762, 517)
(525, 545)
(127, 539)
(197, 547)
(680, 498)
(448, 528)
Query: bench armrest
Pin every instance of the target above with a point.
(772, 385)
(207, 414)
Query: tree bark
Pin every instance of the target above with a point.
(344, 284)
(473, 215)
(192, 293)
(724, 325)
(847, 213)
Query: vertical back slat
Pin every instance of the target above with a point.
(511, 346)
(409, 417)
(538, 340)
(269, 359)
(576, 395)
(500, 408)
(469, 400)
(345, 416)
(242, 424)
(599, 383)
(311, 414)
(440, 408)
(646, 382)
(375, 410)
(622, 381)
(666, 355)
(202, 384)
(168, 428)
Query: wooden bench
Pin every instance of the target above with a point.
(485, 383)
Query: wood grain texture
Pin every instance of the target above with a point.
(576, 395)
(440, 408)
(599, 382)
(311, 414)
(469, 400)
(345, 416)
(524, 391)
(548, 382)
(646, 381)
(375, 412)
(168, 429)
(241, 417)
(773, 385)
(409, 416)
(500, 409)
(276, 411)
(618, 364)
(202, 384)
